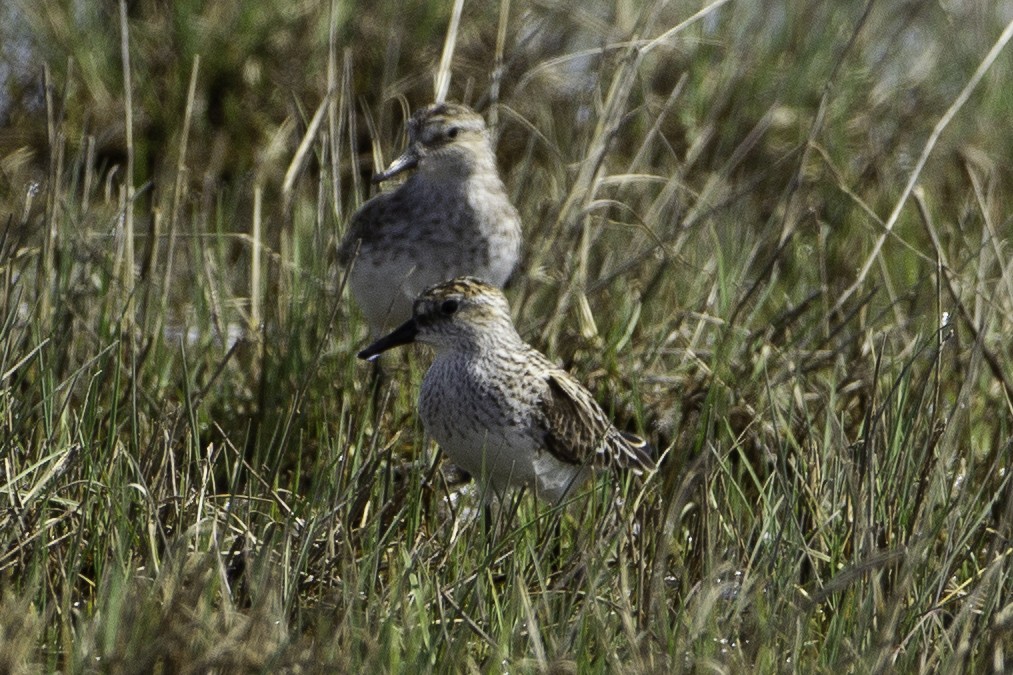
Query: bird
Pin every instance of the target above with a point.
(452, 217)
(498, 407)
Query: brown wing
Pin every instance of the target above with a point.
(377, 223)
(577, 431)
(367, 223)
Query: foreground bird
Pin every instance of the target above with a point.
(500, 409)
(451, 217)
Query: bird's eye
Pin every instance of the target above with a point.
(449, 307)
(453, 131)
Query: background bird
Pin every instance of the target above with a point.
(451, 217)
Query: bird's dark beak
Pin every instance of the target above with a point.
(408, 160)
(402, 335)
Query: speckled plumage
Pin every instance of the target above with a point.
(498, 407)
(451, 217)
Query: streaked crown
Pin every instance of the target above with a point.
(439, 124)
(461, 311)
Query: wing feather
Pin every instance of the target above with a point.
(577, 431)
(362, 224)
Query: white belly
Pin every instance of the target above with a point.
(386, 287)
(497, 444)
(385, 292)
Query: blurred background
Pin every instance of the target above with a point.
(749, 82)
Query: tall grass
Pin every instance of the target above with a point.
(196, 475)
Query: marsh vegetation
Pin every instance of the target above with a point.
(773, 238)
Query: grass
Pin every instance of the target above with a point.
(195, 476)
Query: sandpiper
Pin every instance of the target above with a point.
(451, 217)
(500, 409)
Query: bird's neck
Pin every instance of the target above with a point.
(492, 345)
(457, 164)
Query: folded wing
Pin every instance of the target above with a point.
(577, 431)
